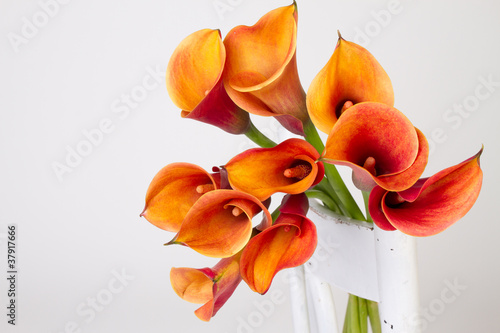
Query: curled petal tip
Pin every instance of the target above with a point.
(219, 224)
(290, 242)
(172, 192)
(432, 204)
(262, 84)
(173, 241)
(380, 144)
(478, 155)
(289, 167)
(194, 82)
(351, 74)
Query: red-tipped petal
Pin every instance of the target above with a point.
(194, 83)
(212, 286)
(381, 146)
(261, 71)
(290, 242)
(195, 67)
(375, 208)
(432, 204)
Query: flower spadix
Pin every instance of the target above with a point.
(194, 82)
(380, 145)
(219, 224)
(173, 191)
(352, 75)
(209, 286)
(261, 69)
(290, 167)
(290, 242)
(431, 205)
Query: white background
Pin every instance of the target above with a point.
(76, 233)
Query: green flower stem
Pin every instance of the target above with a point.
(366, 196)
(359, 310)
(325, 198)
(351, 208)
(256, 136)
(353, 309)
(374, 316)
(347, 319)
(312, 136)
(363, 315)
(325, 186)
(275, 214)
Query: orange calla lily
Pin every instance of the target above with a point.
(261, 70)
(290, 242)
(219, 224)
(194, 82)
(209, 286)
(380, 145)
(432, 204)
(352, 75)
(290, 167)
(173, 191)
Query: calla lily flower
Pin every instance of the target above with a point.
(432, 204)
(380, 145)
(219, 224)
(173, 191)
(194, 82)
(261, 69)
(209, 286)
(290, 167)
(290, 242)
(352, 75)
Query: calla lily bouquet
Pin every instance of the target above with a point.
(253, 70)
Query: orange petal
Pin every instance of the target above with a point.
(261, 70)
(351, 75)
(381, 146)
(290, 242)
(261, 171)
(433, 204)
(212, 286)
(191, 285)
(172, 192)
(195, 67)
(211, 227)
(194, 83)
(412, 174)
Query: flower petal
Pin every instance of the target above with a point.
(212, 286)
(411, 175)
(290, 242)
(381, 146)
(261, 70)
(172, 192)
(261, 171)
(214, 228)
(219, 110)
(191, 284)
(352, 74)
(375, 208)
(195, 67)
(194, 82)
(436, 202)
